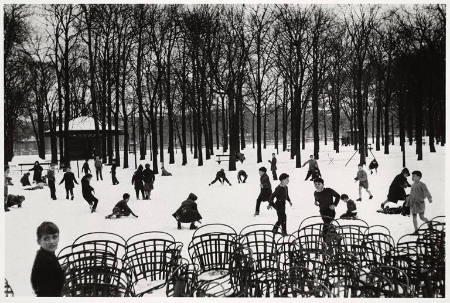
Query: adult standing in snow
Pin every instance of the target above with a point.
(323, 198)
(113, 173)
(188, 212)
(87, 191)
(312, 165)
(397, 188)
(220, 176)
(273, 166)
(37, 172)
(266, 189)
(361, 176)
(51, 181)
(137, 180)
(98, 167)
(85, 168)
(149, 178)
(281, 194)
(69, 180)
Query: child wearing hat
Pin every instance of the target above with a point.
(416, 198)
(281, 194)
(397, 188)
(266, 189)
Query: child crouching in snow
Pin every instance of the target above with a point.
(188, 212)
(122, 208)
(351, 207)
(416, 198)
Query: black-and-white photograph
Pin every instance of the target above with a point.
(224, 150)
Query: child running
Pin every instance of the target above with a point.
(281, 194)
(416, 198)
(361, 176)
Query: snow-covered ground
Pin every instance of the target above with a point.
(218, 203)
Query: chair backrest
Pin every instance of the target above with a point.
(262, 244)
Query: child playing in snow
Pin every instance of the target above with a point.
(25, 181)
(69, 179)
(98, 167)
(397, 188)
(312, 165)
(416, 198)
(315, 174)
(373, 165)
(85, 168)
(281, 194)
(361, 176)
(113, 173)
(220, 176)
(87, 191)
(266, 189)
(351, 207)
(47, 276)
(242, 176)
(122, 208)
(188, 212)
(273, 166)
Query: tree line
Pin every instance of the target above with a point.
(198, 73)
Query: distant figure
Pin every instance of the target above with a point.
(148, 178)
(188, 212)
(87, 191)
(315, 174)
(47, 276)
(85, 168)
(138, 182)
(121, 208)
(164, 172)
(373, 165)
(25, 181)
(312, 165)
(37, 174)
(397, 188)
(220, 176)
(51, 181)
(273, 166)
(361, 176)
(113, 173)
(5, 188)
(98, 167)
(240, 157)
(351, 208)
(266, 189)
(69, 180)
(242, 175)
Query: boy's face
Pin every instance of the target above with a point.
(345, 200)
(318, 186)
(261, 172)
(415, 178)
(359, 167)
(285, 181)
(311, 157)
(49, 242)
(273, 155)
(127, 199)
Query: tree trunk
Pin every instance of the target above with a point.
(265, 127)
(217, 124)
(224, 126)
(275, 135)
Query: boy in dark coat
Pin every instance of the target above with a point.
(188, 212)
(266, 189)
(324, 199)
(397, 188)
(85, 168)
(148, 178)
(87, 191)
(113, 173)
(312, 165)
(138, 182)
(242, 175)
(37, 174)
(351, 208)
(316, 174)
(220, 176)
(25, 181)
(122, 208)
(281, 194)
(51, 181)
(98, 167)
(373, 165)
(69, 180)
(273, 166)
(47, 276)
